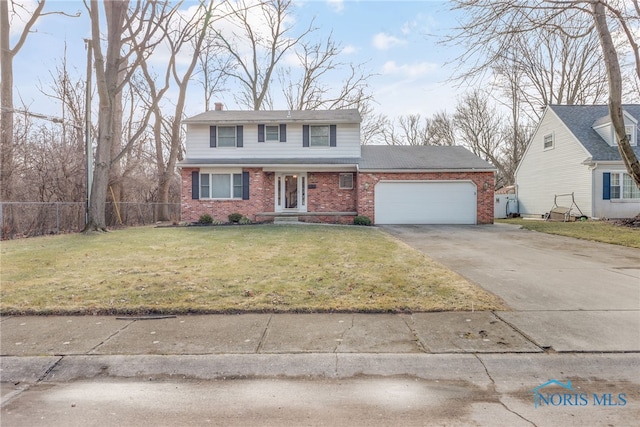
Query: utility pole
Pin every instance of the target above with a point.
(87, 130)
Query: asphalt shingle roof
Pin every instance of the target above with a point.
(277, 116)
(404, 157)
(580, 119)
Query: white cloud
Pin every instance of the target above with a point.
(408, 70)
(336, 5)
(349, 49)
(384, 41)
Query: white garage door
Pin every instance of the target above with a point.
(425, 202)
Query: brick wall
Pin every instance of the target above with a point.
(484, 181)
(260, 198)
(327, 196)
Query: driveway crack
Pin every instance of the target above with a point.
(493, 386)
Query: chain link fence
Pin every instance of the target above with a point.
(29, 219)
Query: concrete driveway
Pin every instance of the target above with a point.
(566, 294)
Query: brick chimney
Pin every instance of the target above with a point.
(219, 106)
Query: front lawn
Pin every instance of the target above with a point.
(599, 231)
(228, 269)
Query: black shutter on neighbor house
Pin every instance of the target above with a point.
(195, 185)
(239, 136)
(606, 186)
(283, 133)
(260, 133)
(332, 135)
(245, 185)
(305, 135)
(212, 136)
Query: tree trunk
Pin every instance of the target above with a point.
(615, 91)
(6, 112)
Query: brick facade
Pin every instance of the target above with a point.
(326, 196)
(484, 181)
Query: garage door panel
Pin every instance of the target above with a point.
(425, 203)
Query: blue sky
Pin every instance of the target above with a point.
(396, 40)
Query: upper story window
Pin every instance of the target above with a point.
(631, 132)
(548, 141)
(225, 136)
(272, 133)
(318, 136)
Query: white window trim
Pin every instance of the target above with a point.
(553, 141)
(620, 175)
(266, 139)
(235, 137)
(231, 186)
(633, 131)
(340, 182)
(320, 147)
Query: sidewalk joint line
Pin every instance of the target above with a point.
(106, 340)
(264, 336)
(419, 343)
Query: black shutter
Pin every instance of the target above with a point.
(239, 134)
(283, 133)
(332, 135)
(212, 136)
(260, 133)
(195, 185)
(305, 135)
(606, 186)
(245, 185)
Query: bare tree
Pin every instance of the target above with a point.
(269, 39)
(492, 26)
(136, 30)
(214, 68)
(179, 33)
(310, 86)
(7, 54)
(440, 129)
(479, 127)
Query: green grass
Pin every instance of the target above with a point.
(599, 231)
(228, 269)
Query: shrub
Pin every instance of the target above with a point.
(205, 219)
(235, 217)
(362, 220)
(245, 220)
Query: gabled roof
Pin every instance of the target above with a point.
(423, 157)
(580, 119)
(276, 116)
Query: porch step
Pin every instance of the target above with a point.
(286, 220)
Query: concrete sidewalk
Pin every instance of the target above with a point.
(260, 344)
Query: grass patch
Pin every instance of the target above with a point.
(599, 231)
(228, 269)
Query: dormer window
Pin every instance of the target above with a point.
(631, 132)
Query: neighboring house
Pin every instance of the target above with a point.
(574, 150)
(310, 165)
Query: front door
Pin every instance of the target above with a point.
(291, 192)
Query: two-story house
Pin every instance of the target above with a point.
(310, 165)
(574, 151)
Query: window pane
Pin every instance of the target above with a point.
(221, 186)
(319, 136)
(630, 189)
(346, 180)
(237, 186)
(272, 133)
(226, 136)
(204, 186)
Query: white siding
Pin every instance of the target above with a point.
(611, 208)
(347, 137)
(545, 173)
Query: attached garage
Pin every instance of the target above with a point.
(425, 202)
(425, 185)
